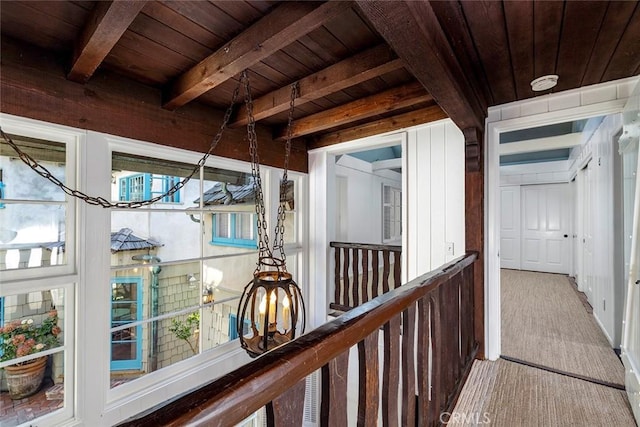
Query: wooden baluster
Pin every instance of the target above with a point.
(391, 373)
(436, 357)
(408, 367)
(356, 278)
(345, 279)
(365, 275)
(337, 291)
(375, 267)
(385, 271)
(369, 387)
(455, 333)
(287, 410)
(423, 361)
(333, 406)
(397, 265)
(470, 327)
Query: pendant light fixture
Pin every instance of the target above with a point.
(271, 310)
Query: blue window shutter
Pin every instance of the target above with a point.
(2, 185)
(148, 182)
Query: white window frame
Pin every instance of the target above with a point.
(63, 276)
(395, 237)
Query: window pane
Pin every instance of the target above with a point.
(222, 225)
(32, 323)
(20, 181)
(244, 226)
(32, 235)
(163, 236)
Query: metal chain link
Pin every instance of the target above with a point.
(101, 201)
(278, 244)
(265, 257)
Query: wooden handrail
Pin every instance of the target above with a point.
(233, 397)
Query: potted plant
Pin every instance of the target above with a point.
(23, 338)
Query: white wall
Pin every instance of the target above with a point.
(364, 198)
(607, 295)
(434, 176)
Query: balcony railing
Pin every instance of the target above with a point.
(362, 272)
(429, 345)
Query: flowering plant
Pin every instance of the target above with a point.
(21, 338)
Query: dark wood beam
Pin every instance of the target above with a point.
(413, 118)
(33, 85)
(474, 225)
(412, 29)
(107, 23)
(285, 24)
(380, 103)
(356, 69)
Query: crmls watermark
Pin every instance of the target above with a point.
(472, 418)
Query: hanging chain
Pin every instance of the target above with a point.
(101, 201)
(265, 257)
(261, 221)
(278, 244)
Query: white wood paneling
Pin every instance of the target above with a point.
(435, 183)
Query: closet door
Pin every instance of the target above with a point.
(546, 227)
(510, 227)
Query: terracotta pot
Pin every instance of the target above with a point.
(25, 380)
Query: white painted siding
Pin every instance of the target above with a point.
(435, 193)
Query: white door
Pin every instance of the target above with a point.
(546, 225)
(510, 227)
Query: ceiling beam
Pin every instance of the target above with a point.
(366, 65)
(379, 103)
(108, 22)
(412, 29)
(386, 164)
(287, 23)
(541, 144)
(401, 121)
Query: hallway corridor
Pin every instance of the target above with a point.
(558, 368)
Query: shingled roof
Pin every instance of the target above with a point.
(215, 195)
(125, 240)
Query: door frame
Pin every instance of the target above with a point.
(601, 99)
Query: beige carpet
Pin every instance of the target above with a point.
(544, 322)
(508, 394)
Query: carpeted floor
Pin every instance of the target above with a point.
(507, 394)
(544, 322)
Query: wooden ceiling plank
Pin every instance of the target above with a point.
(626, 59)
(356, 69)
(389, 124)
(492, 44)
(412, 29)
(454, 24)
(613, 26)
(580, 28)
(102, 31)
(519, 21)
(547, 24)
(271, 33)
(172, 19)
(380, 103)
